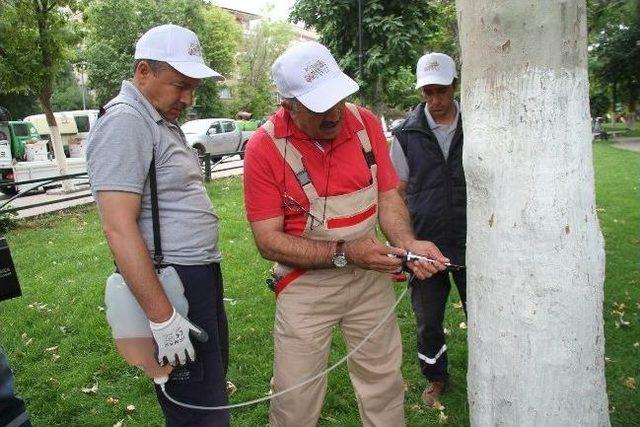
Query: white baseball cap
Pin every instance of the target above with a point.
(435, 69)
(177, 46)
(307, 71)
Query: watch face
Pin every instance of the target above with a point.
(340, 260)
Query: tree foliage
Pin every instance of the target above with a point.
(67, 93)
(37, 41)
(254, 91)
(394, 35)
(615, 53)
(221, 38)
(114, 26)
(20, 105)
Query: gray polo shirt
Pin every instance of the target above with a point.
(443, 133)
(119, 154)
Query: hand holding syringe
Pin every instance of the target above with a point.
(410, 256)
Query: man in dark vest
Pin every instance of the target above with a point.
(427, 154)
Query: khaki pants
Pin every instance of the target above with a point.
(307, 310)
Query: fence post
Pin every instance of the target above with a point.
(207, 167)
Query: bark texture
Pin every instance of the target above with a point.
(535, 253)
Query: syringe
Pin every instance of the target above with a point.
(410, 256)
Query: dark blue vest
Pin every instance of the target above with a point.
(436, 189)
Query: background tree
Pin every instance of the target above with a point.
(109, 53)
(254, 89)
(535, 253)
(394, 35)
(615, 54)
(19, 104)
(67, 94)
(221, 37)
(37, 36)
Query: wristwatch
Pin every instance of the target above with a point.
(339, 258)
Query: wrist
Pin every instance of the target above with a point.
(404, 243)
(165, 323)
(339, 258)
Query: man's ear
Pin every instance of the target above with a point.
(143, 70)
(287, 105)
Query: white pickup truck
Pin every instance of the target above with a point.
(216, 136)
(23, 157)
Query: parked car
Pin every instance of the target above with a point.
(217, 136)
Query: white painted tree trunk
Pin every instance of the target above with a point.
(535, 252)
(61, 159)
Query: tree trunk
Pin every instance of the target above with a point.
(535, 253)
(632, 102)
(42, 10)
(614, 101)
(378, 101)
(56, 138)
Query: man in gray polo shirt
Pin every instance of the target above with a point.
(427, 154)
(137, 126)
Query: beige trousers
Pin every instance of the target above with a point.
(307, 310)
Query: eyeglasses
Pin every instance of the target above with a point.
(291, 203)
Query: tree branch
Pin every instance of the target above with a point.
(54, 3)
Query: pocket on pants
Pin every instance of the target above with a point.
(189, 373)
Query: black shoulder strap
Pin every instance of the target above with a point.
(370, 157)
(155, 212)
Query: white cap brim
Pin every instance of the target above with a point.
(195, 70)
(329, 93)
(434, 80)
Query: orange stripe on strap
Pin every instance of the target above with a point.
(346, 221)
(286, 279)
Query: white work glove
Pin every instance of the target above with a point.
(173, 341)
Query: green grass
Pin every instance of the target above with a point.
(63, 262)
(618, 200)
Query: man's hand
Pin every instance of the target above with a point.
(425, 269)
(369, 253)
(173, 341)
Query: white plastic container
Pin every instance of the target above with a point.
(36, 151)
(129, 325)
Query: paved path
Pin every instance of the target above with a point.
(235, 164)
(631, 144)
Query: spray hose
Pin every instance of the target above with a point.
(161, 381)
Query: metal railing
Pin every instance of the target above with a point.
(208, 165)
(39, 183)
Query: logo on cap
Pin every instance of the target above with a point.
(195, 49)
(315, 70)
(432, 66)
